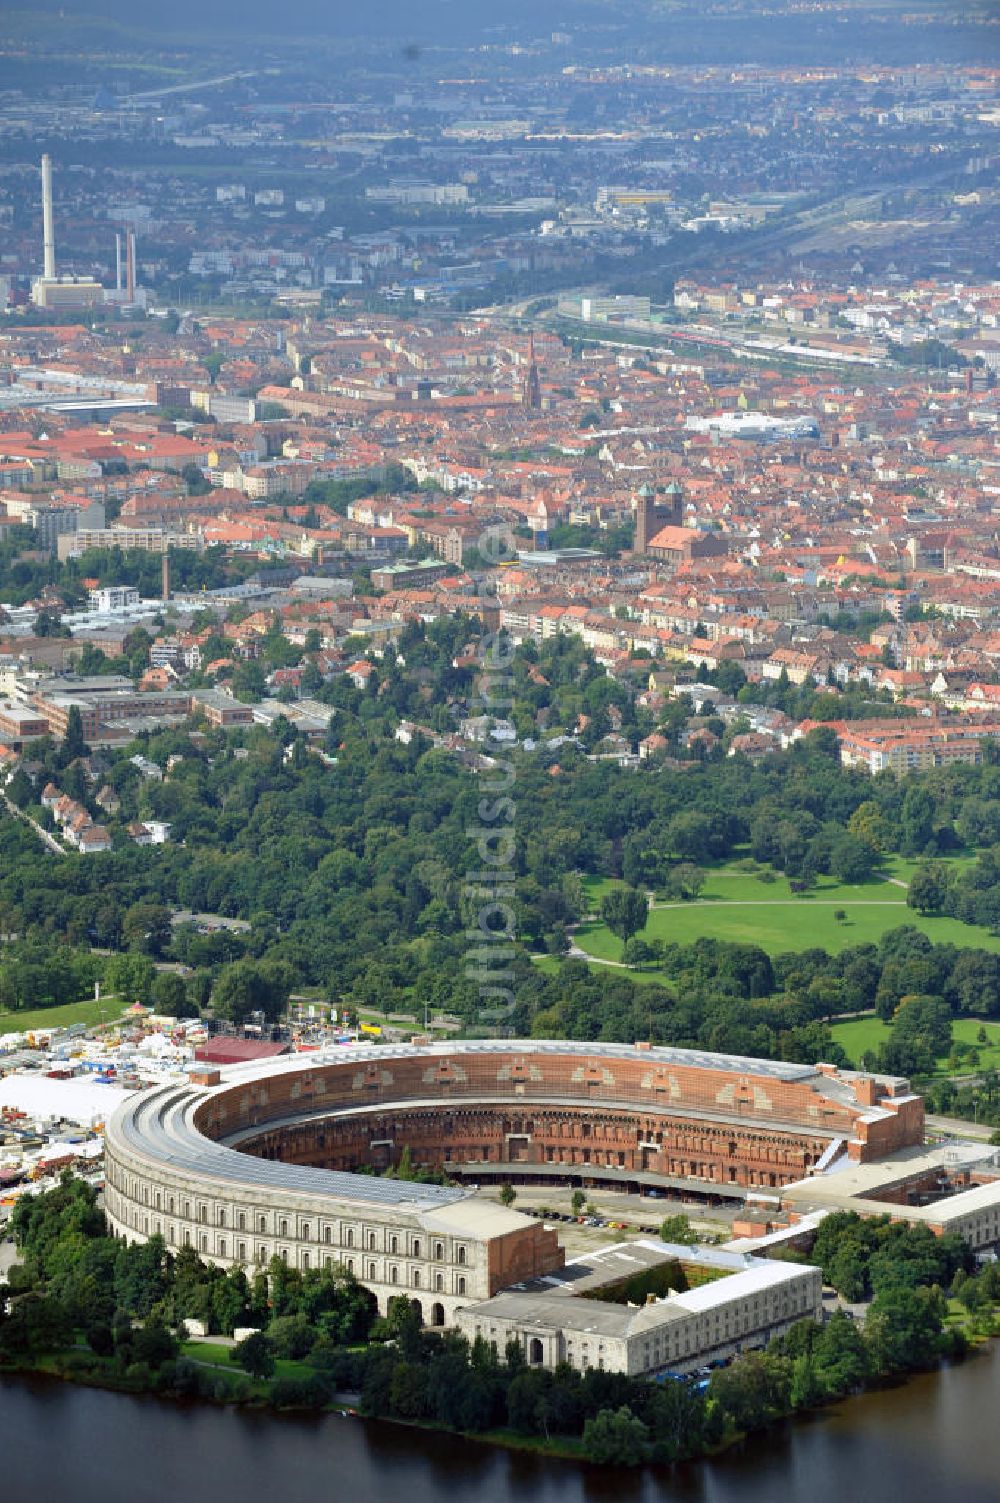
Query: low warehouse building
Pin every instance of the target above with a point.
(587, 1314)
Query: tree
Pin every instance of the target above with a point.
(753, 1391)
(807, 1387)
(49, 624)
(690, 836)
(625, 910)
(678, 1228)
(73, 745)
(928, 889)
(153, 1344)
(841, 1355)
(129, 976)
(255, 1354)
(577, 1202)
(916, 821)
(20, 789)
(146, 928)
(508, 1195)
(247, 987)
(926, 1022)
(636, 952)
(852, 859)
(869, 823)
(169, 995)
(685, 881)
(974, 984)
(616, 1437)
(903, 1329)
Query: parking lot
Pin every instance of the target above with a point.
(621, 1217)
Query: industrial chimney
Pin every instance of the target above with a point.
(48, 232)
(130, 266)
(118, 261)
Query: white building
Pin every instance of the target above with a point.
(111, 598)
(575, 1317)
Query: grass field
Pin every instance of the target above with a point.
(859, 1034)
(222, 1357)
(88, 1013)
(551, 965)
(739, 907)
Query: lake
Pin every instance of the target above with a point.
(932, 1440)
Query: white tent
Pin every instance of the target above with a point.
(81, 1099)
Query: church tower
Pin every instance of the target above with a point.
(651, 515)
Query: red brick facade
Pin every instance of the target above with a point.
(643, 1112)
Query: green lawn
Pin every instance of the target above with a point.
(596, 887)
(551, 965)
(89, 1012)
(859, 1034)
(222, 1356)
(739, 907)
(903, 867)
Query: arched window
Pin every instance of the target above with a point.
(283, 1228)
(437, 1315)
(371, 1241)
(536, 1353)
(350, 1265)
(222, 1215)
(305, 1230)
(439, 1281)
(349, 1239)
(328, 1235)
(416, 1278)
(305, 1260)
(439, 1250)
(204, 1243)
(461, 1286)
(284, 1255)
(371, 1270)
(262, 1223)
(241, 1221)
(416, 1248)
(222, 1248)
(393, 1274)
(461, 1254)
(394, 1244)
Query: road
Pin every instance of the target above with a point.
(186, 88)
(955, 1127)
(43, 835)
